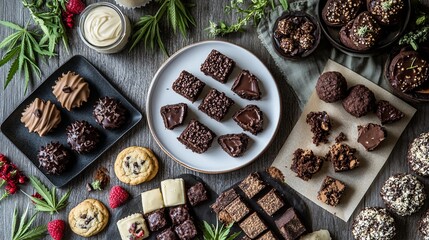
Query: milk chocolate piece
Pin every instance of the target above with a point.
(186, 230)
(41, 116)
(234, 144)
(246, 86)
(197, 194)
(223, 200)
(305, 164)
(218, 66)
(253, 226)
(387, 113)
(321, 126)
(188, 86)
(71, 90)
(250, 118)
(252, 185)
(197, 137)
(331, 191)
(174, 115)
(216, 105)
(342, 157)
(157, 220)
(271, 202)
(371, 135)
(289, 225)
(237, 209)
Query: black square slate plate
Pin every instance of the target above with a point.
(30, 143)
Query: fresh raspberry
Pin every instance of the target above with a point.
(11, 188)
(75, 6)
(22, 179)
(117, 196)
(56, 229)
(68, 19)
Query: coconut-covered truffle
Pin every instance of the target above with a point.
(374, 223)
(109, 113)
(331, 86)
(82, 136)
(54, 158)
(418, 154)
(403, 194)
(424, 225)
(360, 101)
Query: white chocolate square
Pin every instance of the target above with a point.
(173, 192)
(125, 224)
(152, 200)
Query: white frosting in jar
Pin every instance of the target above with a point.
(102, 26)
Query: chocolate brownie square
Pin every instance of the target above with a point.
(174, 115)
(179, 214)
(186, 230)
(216, 104)
(252, 226)
(321, 126)
(234, 144)
(246, 86)
(197, 194)
(237, 209)
(271, 202)
(289, 225)
(252, 185)
(331, 191)
(188, 86)
(250, 118)
(267, 236)
(305, 164)
(224, 200)
(342, 157)
(156, 220)
(218, 66)
(197, 137)
(167, 234)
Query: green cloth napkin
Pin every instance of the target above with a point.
(302, 74)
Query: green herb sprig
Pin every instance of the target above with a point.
(211, 232)
(253, 12)
(420, 28)
(49, 203)
(23, 231)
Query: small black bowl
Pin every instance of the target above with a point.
(390, 37)
(316, 34)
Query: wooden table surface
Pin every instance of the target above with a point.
(132, 73)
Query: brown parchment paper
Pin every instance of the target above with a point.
(358, 180)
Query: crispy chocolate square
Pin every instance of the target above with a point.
(289, 225)
(252, 185)
(174, 115)
(188, 86)
(167, 234)
(186, 230)
(252, 226)
(271, 202)
(216, 105)
(225, 217)
(179, 214)
(331, 191)
(234, 144)
(156, 220)
(218, 66)
(223, 200)
(197, 137)
(267, 236)
(237, 209)
(250, 118)
(197, 194)
(246, 86)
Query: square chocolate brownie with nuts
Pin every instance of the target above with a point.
(216, 105)
(186, 230)
(252, 226)
(167, 234)
(331, 191)
(252, 185)
(290, 225)
(188, 86)
(218, 66)
(197, 194)
(271, 202)
(179, 214)
(342, 157)
(197, 137)
(156, 220)
(224, 200)
(237, 209)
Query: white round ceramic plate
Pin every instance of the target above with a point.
(214, 160)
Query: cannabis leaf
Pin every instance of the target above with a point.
(211, 232)
(49, 202)
(23, 230)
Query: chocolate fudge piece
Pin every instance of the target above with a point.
(341, 138)
(331, 191)
(271, 202)
(305, 164)
(250, 118)
(186, 230)
(174, 115)
(237, 209)
(179, 214)
(156, 220)
(246, 86)
(387, 113)
(197, 137)
(197, 194)
(234, 144)
(252, 226)
(223, 200)
(371, 135)
(167, 234)
(289, 225)
(218, 66)
(321, 126)
(188, 86)
(216, 105)
(342, 157)
(267, 236)
(252, 185)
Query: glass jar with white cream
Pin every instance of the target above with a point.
(104, 28)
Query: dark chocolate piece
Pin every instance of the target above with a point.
(331, 86)
(197, 137)
(252, 226)
(174, 115)
(216, 105)
(54, 158)
(246, 86)
(109, 113)
(167, 234)
(82, 136)
(321, 126)
(305, 164)
(234, 144)
(252, 185)
(337, 13)
(218, 66)
(237, 209)
(342, 157)
(197, 194)
(156, 220)
(360, 101)
(223, 200)
(341, 138)
(289, 225)
(371, 135)
(387, 113)
(188, 86)
(179, 214)
(331, 191)
(271, 202)
(186, 230)
(250, 118)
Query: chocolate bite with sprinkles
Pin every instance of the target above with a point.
(218, 66)
(321, 126)
(109, 113)
(82, 137)
(305, 164)
(188, 86)
(197, 137)
(387, 12)
(216, 105)
(54, 158)
(337, 13)
(418, 154)
(331, 191)
(342, 157)
(374, 223)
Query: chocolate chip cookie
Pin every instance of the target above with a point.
(88, 218)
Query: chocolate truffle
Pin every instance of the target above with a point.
(253, 225)
(237, 209)
(197, 194)
(174, 115)
(374, 223)
(252, 185)
(179, 214)
(41, 117)
(186, 230)
(71, 90)
(403, 194)
(167, 234)
(321, 126)
(246, 85)
(418, 154)
(387, 12)
(337, 13)
(331, 191)
(342, 157)
(371, 135)
(223, 200)
(250, 118)
(156, 220)
(305, 164)
(218, 66)
(234, 144)
(109, 113)
(189, 86)
(387, 113)
(331, 87)
(216, 105)
(82, 136)
(54, 158)
(360, 101)
(290, 225)
(424, 225)
(197, 137)
(270, 202)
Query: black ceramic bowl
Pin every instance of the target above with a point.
(390, 36)
(315, 33)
